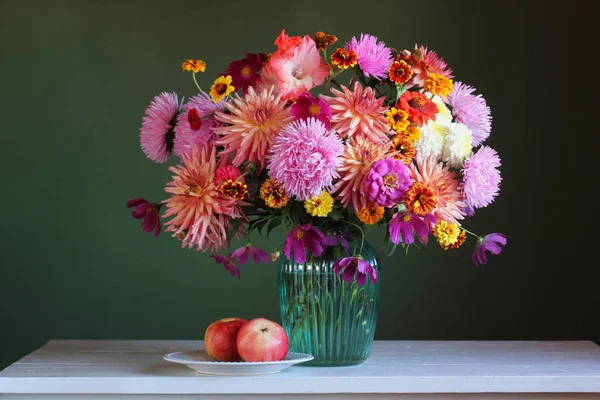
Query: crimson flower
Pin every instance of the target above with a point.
(228, 264)
(148, 211)
(306, 107)
(244, 72)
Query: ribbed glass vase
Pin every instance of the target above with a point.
(324, 316)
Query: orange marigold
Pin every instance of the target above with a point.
(371, 214)
(403, 148)
(462, 236)
(194, 66)
(273, 194)
(343, 58)
(322, 40)
(420, 199)
(438, 85)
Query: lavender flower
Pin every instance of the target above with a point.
(374, 58)
(492, 243)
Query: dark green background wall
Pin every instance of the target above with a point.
(76, 77)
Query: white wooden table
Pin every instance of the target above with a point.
(92, 369)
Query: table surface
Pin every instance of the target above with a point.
(137, 367)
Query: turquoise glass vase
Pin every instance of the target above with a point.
(325, 316)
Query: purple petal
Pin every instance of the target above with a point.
(348, 274)
(158, 227)
(135, 202)
(259, 255)
(407, 231)
(149, 223)
(140, 211)
(241, 254)
(299, 252)
(421, 227)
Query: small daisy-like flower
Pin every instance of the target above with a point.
(194, 66)
(412, 132)
(371, 214)
(446, 232)
(403, 148)
(374, 58)
(400, 72)
(244, 72)
(343, 58)
(350, 267)
(148, 211)
(156, 133)
(234, 189)
(306, 107)
(420, 199)
(438, 85)
(319, 206)
(397, 119)
(492, 243)
(462, 236)
(322, 40)
(273, 194)
(386, 182)
(420, 109)
(404, 225)
(221, 88)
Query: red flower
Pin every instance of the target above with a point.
(419, 108)
(244, 72)
(147, 211)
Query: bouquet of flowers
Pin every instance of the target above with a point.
(280, 141)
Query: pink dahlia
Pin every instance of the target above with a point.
(481, 177)
(386, 182)
(359, 154)
(251, 124)
(445, 185)
(404, 225)
(295, 71)
(200, 211)
(374, 58)
(358, 113)
(471, 110)
(427, 62)
(304, 158)
(156, 133)
(195, 124)
(306, 107)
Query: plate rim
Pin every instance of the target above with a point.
(303, 358)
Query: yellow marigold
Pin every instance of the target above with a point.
(371, 214)
(221, 88)
(438, 85)
(397, 119)
(273, 194)
(413, 132)
(462, 236)
(446, 233)
(319, 206)
(403, 149)
(194, 66)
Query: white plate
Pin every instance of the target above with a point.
(200, 361)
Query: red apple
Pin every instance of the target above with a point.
(261, 339)
(220, 339)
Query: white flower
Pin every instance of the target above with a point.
(431, 141)
(444, 115)
(457, 144)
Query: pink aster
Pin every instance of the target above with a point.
(244, 72)
(295, 71)
(404, 225)
(386, 182)
(304, 237)
(148, 211)
(471, 110)
(358, 113)
(481, 177)
(195, 124)
(228, 264)
(350, 267)
(304, 157)
(306, 107)
(492, 243)
(444, 183)
(156, 133)
(243, 252)
(374, 58)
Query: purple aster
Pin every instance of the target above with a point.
(256, 253)
(492, 243)
(156, 133)
(481, 178)
(233, 269)
(374, 58)
(304, 237)
(471, 110)
(353, 266)
(386, 182)
(304, 158)
(404, 225)
(306, 106)
(148, 211)
(195, 124)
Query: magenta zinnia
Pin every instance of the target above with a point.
(304, 158)
(471, 110)
(156, 133)
(481, 177)
(374, 58)
(254, 121)
(358, 113)
(386, 182)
